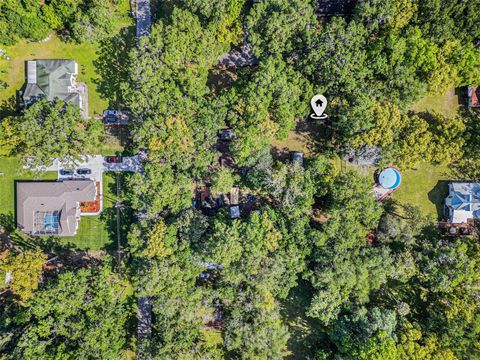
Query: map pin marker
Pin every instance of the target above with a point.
(319, 104)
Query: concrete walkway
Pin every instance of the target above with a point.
(97, 165)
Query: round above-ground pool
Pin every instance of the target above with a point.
(390, 178)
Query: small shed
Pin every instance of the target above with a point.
(235, 212)
(234, 195)
(296, 158)
(227, 134)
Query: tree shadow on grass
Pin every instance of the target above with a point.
(306, 335)
(319, 138)
(112, 65)
(437, 196)
(9, 107)
(52, 244)
(462, 95)
(10, 235)
(118, 221)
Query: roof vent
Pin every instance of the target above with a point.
(31, 72)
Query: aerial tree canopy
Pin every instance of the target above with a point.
(54, 130)
(266, 106)
(86, 20)
(278, 27)
(79, 314)
(24, 270)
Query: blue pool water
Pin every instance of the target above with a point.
(51, 222)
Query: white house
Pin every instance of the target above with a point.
(463, 202)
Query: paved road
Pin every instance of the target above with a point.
(128, 164)
(144, 306)
(144, 21)
(98, 165)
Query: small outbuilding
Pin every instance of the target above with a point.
(227, 134)
(296, 158)
(235, 212)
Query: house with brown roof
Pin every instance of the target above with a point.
(51, 208)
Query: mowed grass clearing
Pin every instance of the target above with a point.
(94, 232)
(98, 232)
(447, 104)
(85, 54)
(425, 188)
(12, 170)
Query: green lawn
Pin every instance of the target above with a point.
(12, 170)
(304, 330)
(444, 104)
(425, 188)
(98, 232)
(84, 54)
(94, 232)
(93, 59)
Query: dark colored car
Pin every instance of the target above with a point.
(113, 159)
(66, 172)
(110, 119)
(110, 113)
(84, 171)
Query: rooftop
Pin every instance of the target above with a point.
(51, 79)
(51, 207)
(463, 202)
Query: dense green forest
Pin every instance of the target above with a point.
(78, 20)
(411, 293)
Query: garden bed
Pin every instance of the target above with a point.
(92, 207)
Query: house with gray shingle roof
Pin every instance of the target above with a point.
(53, 79)
(51, 208)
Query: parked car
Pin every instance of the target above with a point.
(111, 113)
(66, 172)
(110, 119)
(84, 171)
(113, 159)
